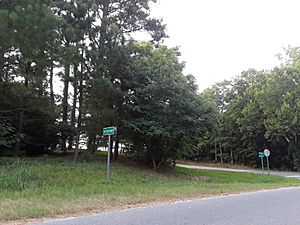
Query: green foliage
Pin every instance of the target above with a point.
(8, 136)
(40, 127)
(43, 40)
(162, 103)
(138, 87)
(39, 130)
(257, 110)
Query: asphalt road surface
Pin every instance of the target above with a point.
(274, 207)
(277, 173)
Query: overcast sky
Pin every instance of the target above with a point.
(219, 39)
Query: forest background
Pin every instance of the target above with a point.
(109, 78)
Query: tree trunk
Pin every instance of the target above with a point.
(161, 162)
(79, 120)
(21, 114)
(51, 83)
(231, 157)
(216, 158)
(40, 76)
(92, 143)
(80, 99)
(221, 153)
(65, 106)
(20, 124)
(73, 113)
(152, 156)
(26, 75)
(116, 153)
(1, 65)
(78, 132)
(104, 23)
(153, 162)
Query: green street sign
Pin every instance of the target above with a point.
(109, 130)
(261, 155)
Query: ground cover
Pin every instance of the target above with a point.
(53, 186)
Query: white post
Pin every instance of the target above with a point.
(268, 165)
(262, 164)
(108, 160)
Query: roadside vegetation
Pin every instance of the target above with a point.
(52, 186)
(68, 69)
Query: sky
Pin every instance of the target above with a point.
(219, 39)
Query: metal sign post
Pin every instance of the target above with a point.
(267, 154)
(108, 160)
(108, 131)
(261, 156)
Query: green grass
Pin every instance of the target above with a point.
(47, 187)
(224, 177)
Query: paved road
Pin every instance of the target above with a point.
(278, 173)
(275, 207)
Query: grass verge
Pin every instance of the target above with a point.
(48, 187)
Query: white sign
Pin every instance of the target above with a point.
(267, 152)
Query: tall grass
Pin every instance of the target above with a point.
(37, 187)
(18, 175)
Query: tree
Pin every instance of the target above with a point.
(162, 104)
(280, 102)
(31, 27)
(109, 59)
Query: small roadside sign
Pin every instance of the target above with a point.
(109, 131)
(261, 156)
(267, 152)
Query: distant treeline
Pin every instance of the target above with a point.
(255, 111)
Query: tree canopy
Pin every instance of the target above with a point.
(108, 78)
(257, 110)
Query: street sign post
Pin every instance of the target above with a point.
(267, 153)
(108, 131)
(261, 156)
